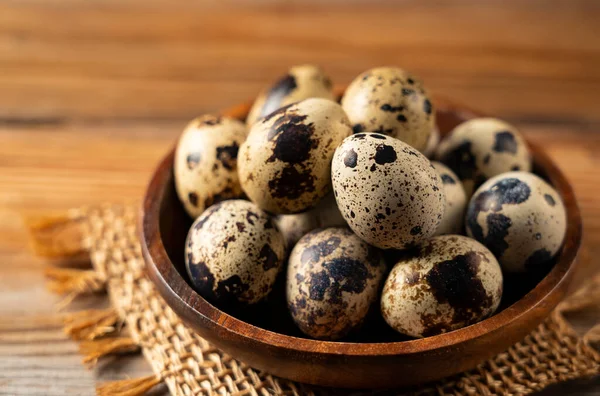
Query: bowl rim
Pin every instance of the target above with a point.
(154, 252)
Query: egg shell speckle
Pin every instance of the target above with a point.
(233, 253)
(390, 101)
(520, 218)
(448, 282)
(481, 148)
(285, 164)
(333, 279)
(389, 194)
(301, 82)
(456, 201)
(205, 166)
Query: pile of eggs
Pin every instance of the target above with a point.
(344, 200)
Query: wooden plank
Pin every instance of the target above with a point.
(107, 162)
(97, 61)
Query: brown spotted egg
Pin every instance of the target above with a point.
(285, 163)
(482, 148)
(333, 279)
(432, 143)
(520, 218)
(326, 214)
(205, 165)
(295, 226)
(446, 283)
(301, 82)
(389, 194)
(456, 201)
(233, 253)
(390, 101)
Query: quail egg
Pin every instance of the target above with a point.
(333, 279)
(446, 283)
(301, 82)
(482, 148)
(390, 101)
(285, 163)
(389, 194)
(456, 201)
(205, 166)
(520, 218)
(294, 226)
(432, 143)
(233, 253)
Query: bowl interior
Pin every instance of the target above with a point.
(273, 315)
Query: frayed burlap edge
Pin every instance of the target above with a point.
(189, 365)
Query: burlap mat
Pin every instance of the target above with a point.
(189, 365)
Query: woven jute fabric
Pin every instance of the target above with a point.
(189, 365)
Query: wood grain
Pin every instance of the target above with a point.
(94, 93)
(174, 59)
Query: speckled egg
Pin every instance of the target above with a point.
(482, 148)
(390, 101)
(333, 279)
(389, 194)
(520, 218)
(448, 282)
(456, 201)
(432, 143)
(301, 82)
(233, 253)
(285, 164)
(294, 226)
(205, 165)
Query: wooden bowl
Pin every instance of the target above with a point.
(265, 338)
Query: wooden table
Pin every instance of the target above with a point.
(92, 94)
